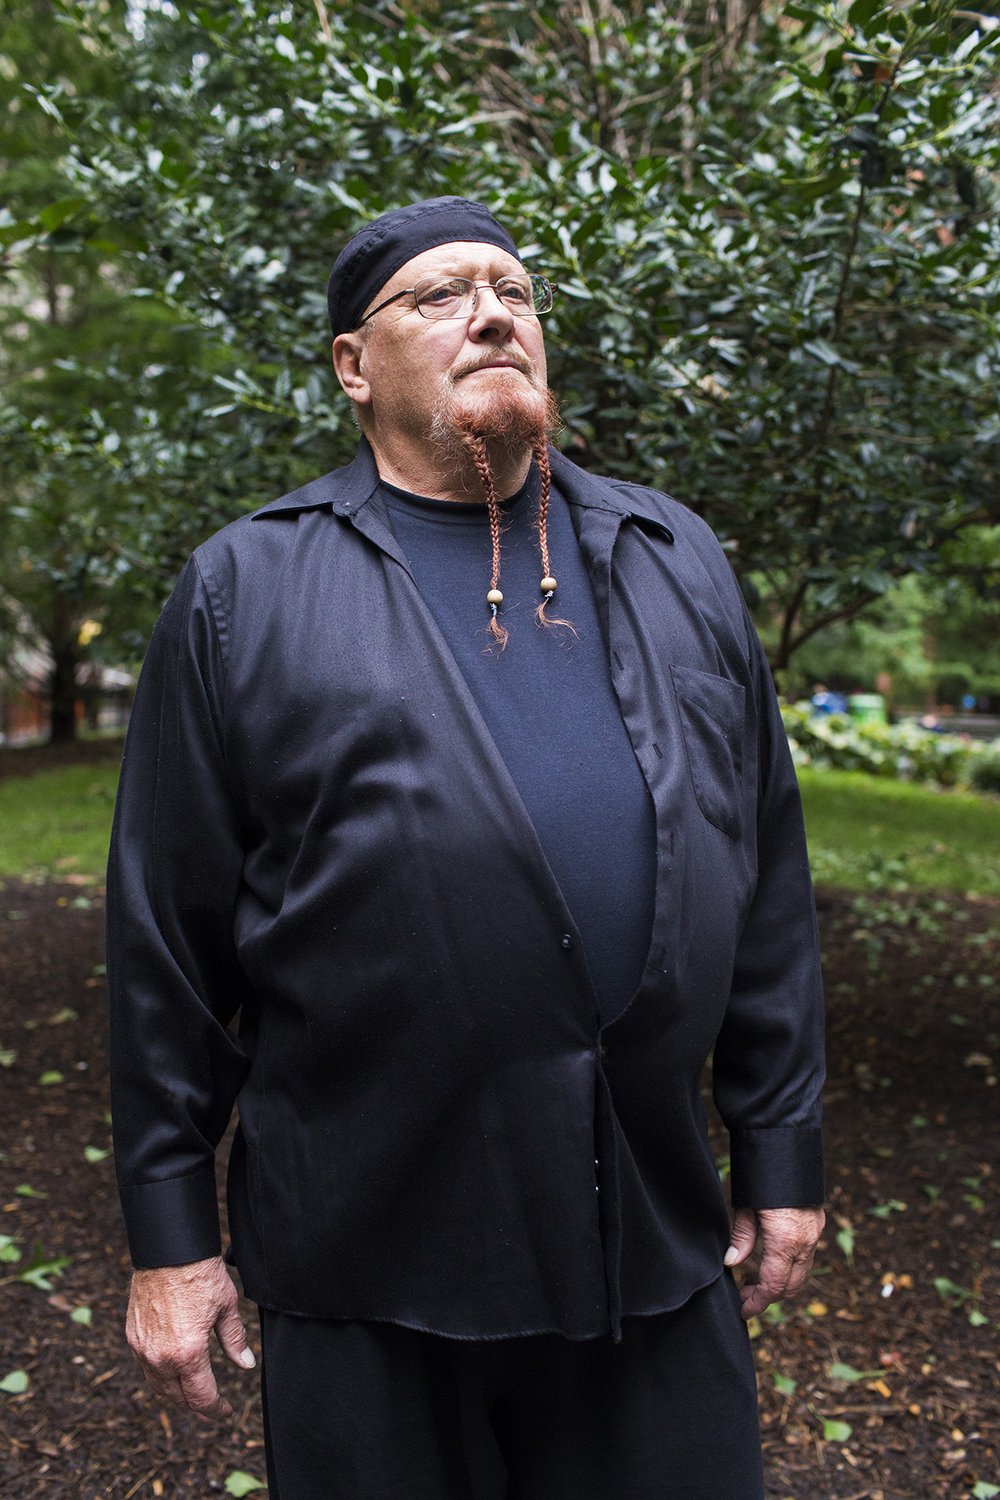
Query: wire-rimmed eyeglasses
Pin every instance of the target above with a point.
(457, 296)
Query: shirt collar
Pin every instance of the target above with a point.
(345, 491)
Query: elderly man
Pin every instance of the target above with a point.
(458, 774)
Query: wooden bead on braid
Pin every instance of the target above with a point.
(548, 583)
(494, 598)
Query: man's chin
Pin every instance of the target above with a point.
(507, 409)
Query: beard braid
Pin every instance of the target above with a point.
(507, 422)
(476, 446)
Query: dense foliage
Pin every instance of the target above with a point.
(836, 742)
(776, 246)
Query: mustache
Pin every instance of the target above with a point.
(511, 356)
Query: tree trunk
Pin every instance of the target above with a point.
(62, 692)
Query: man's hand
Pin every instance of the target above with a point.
(787, 1243)
(171, 1314)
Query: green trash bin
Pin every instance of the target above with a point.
(867, 708)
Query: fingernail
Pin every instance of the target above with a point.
(731, 1257)
(247, 1359)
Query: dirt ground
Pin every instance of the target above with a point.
(882, 1382)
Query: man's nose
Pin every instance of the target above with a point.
(491, 321)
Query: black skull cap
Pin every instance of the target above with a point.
(376, 252)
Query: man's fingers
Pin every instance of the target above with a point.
(232, 1335)
(200, 1392)
(788, 1244)
(172, 1312)
(742, 1238)
(189, 1380)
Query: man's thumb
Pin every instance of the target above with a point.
(743, 1236)
(233, 1338)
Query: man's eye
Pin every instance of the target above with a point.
(443, 292)
(515, 292)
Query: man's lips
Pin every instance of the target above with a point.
(499, 363)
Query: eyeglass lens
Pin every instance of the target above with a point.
(456, 296)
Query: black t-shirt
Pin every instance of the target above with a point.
(549, 703)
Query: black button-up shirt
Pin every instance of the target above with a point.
(315, 830)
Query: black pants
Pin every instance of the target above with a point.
(371, 1411)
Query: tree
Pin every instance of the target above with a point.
(66, 400)
(774, 233)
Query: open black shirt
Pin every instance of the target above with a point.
(436, 1129)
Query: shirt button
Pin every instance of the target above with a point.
(566, 940)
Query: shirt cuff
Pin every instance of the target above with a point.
(172, 1222)
(778, 1167)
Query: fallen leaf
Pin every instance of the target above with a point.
(848, 1373)
(240, 1483)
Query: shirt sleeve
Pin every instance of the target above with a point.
(173, 975)
(768, 1065)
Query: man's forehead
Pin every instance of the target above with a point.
(458, 258)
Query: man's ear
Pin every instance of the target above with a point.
(349, 367)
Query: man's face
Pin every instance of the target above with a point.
(485, 372)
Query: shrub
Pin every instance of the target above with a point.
(903, 751)
(985, 775)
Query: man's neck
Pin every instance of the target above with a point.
(438, 475)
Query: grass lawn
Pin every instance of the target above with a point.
(58, 822)
(863, 831)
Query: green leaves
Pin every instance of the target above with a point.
(240, 1483)
(38, 1272)
(844, 1239)
(849, 1375)
(16, 1383)
(781, 304)
(956, 1296)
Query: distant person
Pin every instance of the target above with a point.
(486, 889)
(825, 702)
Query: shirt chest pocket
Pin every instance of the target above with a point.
(711, 714)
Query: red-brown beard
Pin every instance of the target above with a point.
(515, 411)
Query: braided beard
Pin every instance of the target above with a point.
(515, 419)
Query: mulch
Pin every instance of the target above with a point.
(879, 1383)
